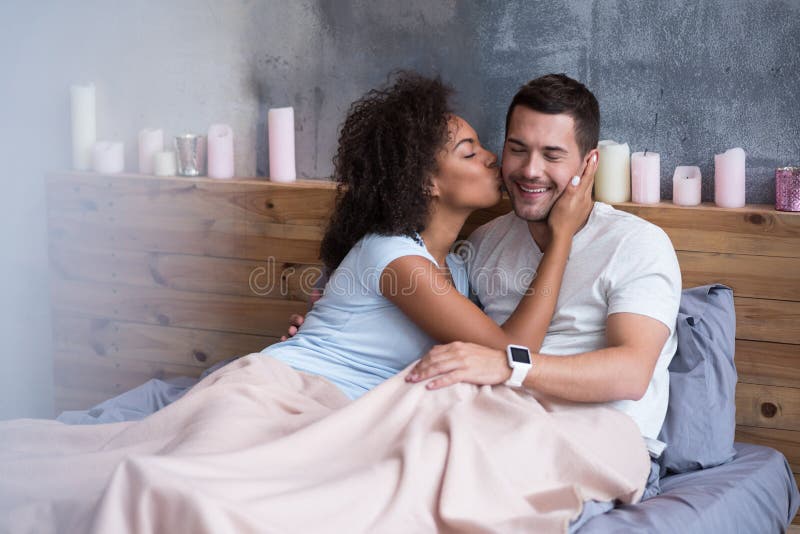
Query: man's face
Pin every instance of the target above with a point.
(540, 156)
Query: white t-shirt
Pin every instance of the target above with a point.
(618, 263)
(354, 336)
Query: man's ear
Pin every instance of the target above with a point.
(590, 158)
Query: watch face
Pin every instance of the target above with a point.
(520, 355)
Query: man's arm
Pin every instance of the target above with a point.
(622, 371)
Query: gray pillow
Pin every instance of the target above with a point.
(701, 417)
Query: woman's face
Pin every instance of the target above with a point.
(468, 177)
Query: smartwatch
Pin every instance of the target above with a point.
(519, 359)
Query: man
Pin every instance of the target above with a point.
(612, 336)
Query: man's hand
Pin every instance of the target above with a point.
(461, 362)
(295, 320)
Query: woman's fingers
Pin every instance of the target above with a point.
(428, 368)
(448, 379)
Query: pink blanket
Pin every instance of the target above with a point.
(259, 447)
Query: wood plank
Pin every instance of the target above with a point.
(759, 362)
(759, 220)
(749, 276)
(151, 343)
(75, 399)
(785, 441)
(169, 307)
(111, 376)
(203, 274)
(702, 240)
(208, 237)
(133, 196)
(754, 229)
(767, 320)
(768, 406)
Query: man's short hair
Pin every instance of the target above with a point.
(558, 93)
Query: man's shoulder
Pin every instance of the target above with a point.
(622, 226)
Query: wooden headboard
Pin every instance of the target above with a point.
(155, 277)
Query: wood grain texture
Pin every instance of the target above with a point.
(774, 407)
(109, 375)
(151, 343)
(767, 320)
(749, 276)
(270, 278)
(168, 307)
(776, 364)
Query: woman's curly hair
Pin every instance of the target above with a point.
(387, 154)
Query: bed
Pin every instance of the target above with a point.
(163, 277)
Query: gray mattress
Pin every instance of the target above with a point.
(755, 493)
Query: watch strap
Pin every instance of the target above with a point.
(518, 374)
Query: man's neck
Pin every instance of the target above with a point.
(542, 234)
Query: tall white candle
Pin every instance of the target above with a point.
(281, 145)
(84, 125)
(151, 140)
(612, 182)
(686, 186)
(220, 151)
(729, 178)
(108, 157)
(646, 177)
(164, 163)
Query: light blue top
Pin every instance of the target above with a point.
(354, 336)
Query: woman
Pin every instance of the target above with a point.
(410, 172)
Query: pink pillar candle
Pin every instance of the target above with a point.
(151, 140)
(729, 178)
(108, 157)
(281, 145)
(686, 186)
(646, 178)
(787, 189)
(220, 151)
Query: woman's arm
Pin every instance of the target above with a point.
(419, 289)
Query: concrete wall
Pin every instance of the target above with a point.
(686, 79)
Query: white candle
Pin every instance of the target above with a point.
(220, 151)
(646, 177)
(281, 145)
(84, 125)
(164, 163)
(612, 182)
(151, 141)
(108, 157)
(729, 178)
(686, 186)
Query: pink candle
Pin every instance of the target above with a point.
(281, 145)
(151, 141)
(646, 178)
(686, 186)
(220, 151)
(108, 157)
(729, 178)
